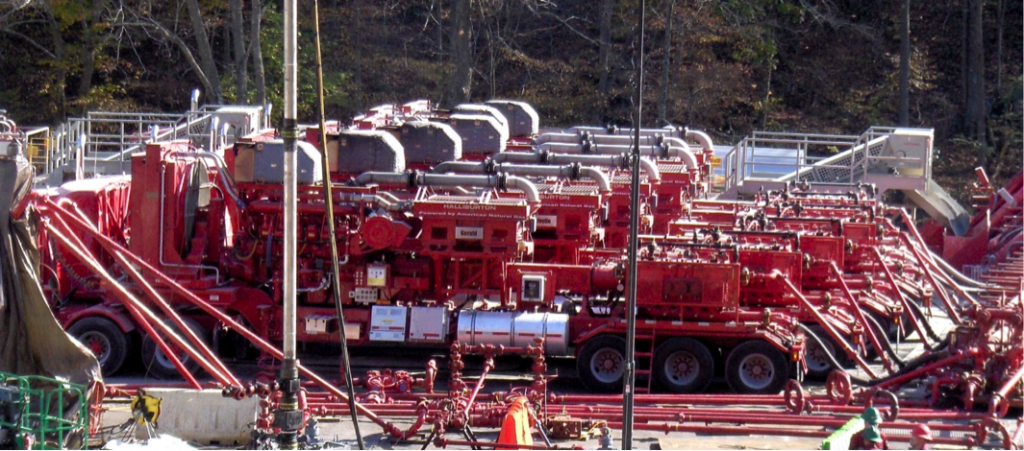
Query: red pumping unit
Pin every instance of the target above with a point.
(525, 255)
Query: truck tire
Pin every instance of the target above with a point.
(818, 366)
(602, 363)
(158, 365)
(105, 339)
(683, 365)
(756, 367)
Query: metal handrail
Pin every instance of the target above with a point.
(740, 161)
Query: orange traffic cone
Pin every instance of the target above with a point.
(516, 426)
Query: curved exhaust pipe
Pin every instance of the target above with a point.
(703, 138)
(414, 179)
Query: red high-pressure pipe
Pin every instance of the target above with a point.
(488, 365)
(860, 318)
(231, 323)
(125, 297)
(220, 370)
(998, 404)
(943, 296)
(901, 298)
(897, 381)
(928, 256)
(719, 399)
(746, 431)
(206, 357)
(824, 323)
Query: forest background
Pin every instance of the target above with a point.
(727, 67)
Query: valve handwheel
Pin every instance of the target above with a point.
(839, 387)
(794, 395)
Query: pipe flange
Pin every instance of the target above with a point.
(839, 387)
(794, 396)
(544, 156)
(502, 184)
(574, 171)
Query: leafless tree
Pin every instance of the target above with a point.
(666, 65)
(975, 108)
(206, 60)
(257, 51)
(460, 84)
(238, 47)
(905, 64)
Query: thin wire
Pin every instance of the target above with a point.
(329, 201)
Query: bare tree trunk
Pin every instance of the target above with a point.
(90, 41)
(667, 62)
(241, 59)
(905, 64)
(57, 91)
(357, 53)
(606, 10)
(460, 86)
(440, 31)
(976, 79)
(765, 105)
(964, 30)
(257, 52)
(207, 62)
(1000, 21)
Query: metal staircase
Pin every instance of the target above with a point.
(101, 143)
(890, 158)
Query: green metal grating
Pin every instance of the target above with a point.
(35, 412)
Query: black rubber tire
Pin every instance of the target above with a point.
(756, 367)
(601, 363)
(157, 365)
(818, 367)
(689, 355)
(105, 339)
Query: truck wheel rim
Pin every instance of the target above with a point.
(816, 359)
(757, 371)
(165, 362)
(606, 365)
(682, 368)
(98, 344)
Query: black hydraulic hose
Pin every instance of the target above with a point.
(914, 364)
(831, 358)
(883, 340)
(916, 310)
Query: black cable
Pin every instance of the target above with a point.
(916, 310)
(828, 355)
(880, 334)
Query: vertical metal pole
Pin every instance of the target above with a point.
(629, 378)
(288, 416)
